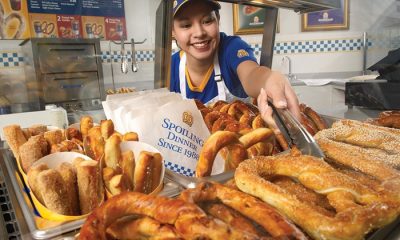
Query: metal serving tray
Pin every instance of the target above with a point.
(29, 220)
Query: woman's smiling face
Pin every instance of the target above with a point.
(196, 30)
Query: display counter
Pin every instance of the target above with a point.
(18, 217)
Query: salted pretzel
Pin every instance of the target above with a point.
(364, 141)
(264, 215)
(359, 209)
(187, 218)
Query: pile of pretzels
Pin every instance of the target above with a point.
(238, 132)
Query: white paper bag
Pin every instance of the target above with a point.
(169, 123)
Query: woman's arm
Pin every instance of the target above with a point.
(277, 88)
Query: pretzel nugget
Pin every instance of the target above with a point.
(89, 186)
(112, 152)
(86, 123)
(130, 136)
(107, 128)
(70, 182)
(14, 137)
(55, 196)
(147, 172)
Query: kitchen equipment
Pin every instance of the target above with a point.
(375, 94)
(134, 63)
(295, 132)
(124, 58)
(65, 72)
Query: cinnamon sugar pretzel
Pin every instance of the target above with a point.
(359, 209)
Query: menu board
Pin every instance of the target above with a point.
(14, 21)
(77, 18)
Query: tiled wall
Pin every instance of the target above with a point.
(15, 59)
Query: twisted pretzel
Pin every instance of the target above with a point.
(314, 116)
(188, 219)
(359, 209)
(249, 206)
(366, 142)
(211, 147)
(388, 119)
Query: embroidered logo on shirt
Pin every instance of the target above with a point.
(187, 118)
(242, 53)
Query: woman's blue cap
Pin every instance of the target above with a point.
(179, 3)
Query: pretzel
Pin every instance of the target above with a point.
(230, 216)
(86, 123)
(93, 143)
(237, 109)
(314, 116)
(130, 136)
(308, 124)
(112, 152)
(141, 228)
(213, 116)
(107, 128)
(188, 219)
(211, 147)
(71, 133)
(388, 119)
(359, 209)
(199, 104)
(256, 210)
(218, 105)
(257, 135)
(365, 142)
(258, 122)
(147, 172)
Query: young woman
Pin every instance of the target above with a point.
(213, 66)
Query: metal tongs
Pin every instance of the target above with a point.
(295, 133)
(192, 182)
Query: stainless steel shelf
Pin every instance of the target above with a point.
(301, 6)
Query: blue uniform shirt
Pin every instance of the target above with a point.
(232, 51)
